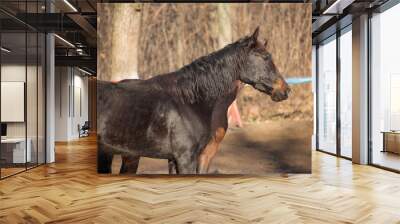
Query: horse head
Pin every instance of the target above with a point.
(261, 72)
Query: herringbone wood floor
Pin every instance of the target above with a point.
(70, 191)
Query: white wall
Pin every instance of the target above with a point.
(70, 84)
(62, 81)
(33, 127)
(79, 103)
(12, 73)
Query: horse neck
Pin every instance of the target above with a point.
(221, 90)
(223, 72)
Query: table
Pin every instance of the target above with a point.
(13, 150)
(391, 141)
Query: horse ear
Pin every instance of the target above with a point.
(254, 36)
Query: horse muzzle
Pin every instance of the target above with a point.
(279, 96)
(280, 90)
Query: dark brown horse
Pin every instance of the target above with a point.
(181, 116)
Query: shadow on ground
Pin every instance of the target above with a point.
(258, 148)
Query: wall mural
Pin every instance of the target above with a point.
(204, 88)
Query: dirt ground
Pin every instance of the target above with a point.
(257, 148)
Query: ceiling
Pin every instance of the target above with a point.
(332, 15)
(73, 21)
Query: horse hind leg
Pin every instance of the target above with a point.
(186, 167)
(186, 163)
(130, 164)
(172, 166)
(104, 158)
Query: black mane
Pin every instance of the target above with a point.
(207, 77)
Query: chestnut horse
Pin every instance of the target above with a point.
(181, 116)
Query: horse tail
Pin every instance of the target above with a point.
(104, 95)
(103, 87)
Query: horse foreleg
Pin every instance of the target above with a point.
(186, 163)
(206, 156)
(172, 166)
(210, 150)
(129, 164)
(187, 167)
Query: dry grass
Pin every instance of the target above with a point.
(172, 35)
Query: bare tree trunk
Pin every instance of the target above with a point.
(104, 19)
(119, 32)
(180, 38)
(125, 39)
(225, 26)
